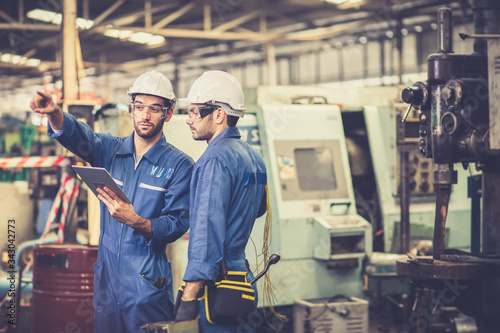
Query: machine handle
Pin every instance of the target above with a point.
(272, 260)
(406, 113)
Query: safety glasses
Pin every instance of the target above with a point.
(199, 112)
(140, 107)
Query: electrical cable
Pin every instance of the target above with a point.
(268, 288)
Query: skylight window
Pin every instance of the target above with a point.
(136, 37)
(56, 18)
(336, 2)
(120, 34)
(16, 59)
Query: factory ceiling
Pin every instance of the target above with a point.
(122, 35)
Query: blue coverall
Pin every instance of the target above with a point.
(227, 195)
(127, 264)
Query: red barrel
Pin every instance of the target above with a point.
(63, 286)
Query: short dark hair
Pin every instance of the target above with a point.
(232, 120)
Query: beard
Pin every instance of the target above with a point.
(203, 132)
(151, 131)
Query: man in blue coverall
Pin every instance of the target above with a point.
(227, 193)
(133, 278)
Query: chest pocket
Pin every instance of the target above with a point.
(150, 195)
(153, 183)
(152, 187)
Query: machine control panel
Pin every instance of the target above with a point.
(411, 137)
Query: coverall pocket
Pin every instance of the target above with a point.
(101, 296)
(159, 282)
(150, 293)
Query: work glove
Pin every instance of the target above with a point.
(187, 310)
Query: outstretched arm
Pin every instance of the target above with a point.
(43, 103)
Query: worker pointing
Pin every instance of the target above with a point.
(133, 278)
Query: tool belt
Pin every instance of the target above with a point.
(230, 300)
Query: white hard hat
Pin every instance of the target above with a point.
(218, 87)
(153, 83)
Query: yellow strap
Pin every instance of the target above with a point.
(232, 282)
(236, 288)
(252, 298)
(207, 314)
(236, 273)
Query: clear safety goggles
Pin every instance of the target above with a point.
(140, 107)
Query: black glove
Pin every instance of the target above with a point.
(188, 310)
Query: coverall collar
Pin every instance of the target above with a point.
(230, 132)
(153, 154)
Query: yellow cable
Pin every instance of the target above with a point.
(268, 289)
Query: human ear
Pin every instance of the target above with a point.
(168, 114)
(220, 116)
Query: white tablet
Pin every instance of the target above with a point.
(98, 178)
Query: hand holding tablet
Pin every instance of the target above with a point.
(98, 178)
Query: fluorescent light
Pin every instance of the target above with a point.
(56, 18)
(32, 62)
(16, 59)
(341, 2)
(84, 24)
(5, 57)
(121, 34)
(45, 16)
(156, 40)
(140, 37)
(136, 37)
(336, 2)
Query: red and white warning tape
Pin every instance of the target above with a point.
(67, 190)
(33, 161)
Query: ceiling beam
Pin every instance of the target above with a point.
(148, 17)
(7, 17)
(201, 34)
(174, 16)
(20, 11)
(207, 17)
(108, 12)
(327, 32)
(236, 22)
(30, 53)
(86, 9)
(131, 18)
(29, 27)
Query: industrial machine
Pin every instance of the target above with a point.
(457, 109)
(333, 175)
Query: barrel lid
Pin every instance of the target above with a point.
(66, 246)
